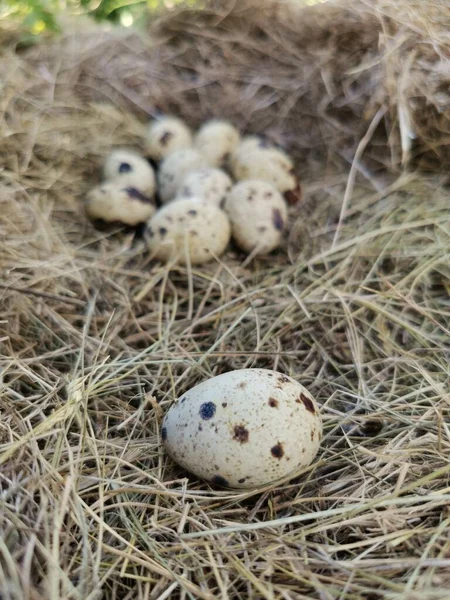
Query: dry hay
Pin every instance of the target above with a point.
(97, 341)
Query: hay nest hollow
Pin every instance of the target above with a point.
(98, 341)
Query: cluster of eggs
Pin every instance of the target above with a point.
(212, 186)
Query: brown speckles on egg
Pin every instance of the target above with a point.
(242, 385)
(162, 231)
(294, 196)
(242, 480)
(207, 410)
(240, 434)
(219, 480)
(277, 219)
(277, 451)
(307, 403)
(164, 139)
(273, 402)
(224, 404)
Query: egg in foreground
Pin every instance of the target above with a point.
(244, 429)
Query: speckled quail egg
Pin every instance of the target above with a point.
(188, 230)
(271, 165)
(258, 216)
(174, 169)
(248, 144)
(210, 184)
(166, 135)
(116, 201)
(216, 139)
(244, 429)
(132, 169)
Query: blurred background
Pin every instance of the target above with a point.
(38, 17)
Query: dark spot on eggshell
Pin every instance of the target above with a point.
(207, 410)
(294, 196)
(222, 203)
(124, 167)
(307, 403)
(242, 385)
(283, 379)
(273, 402)
(219, 480)
(183, 399)
(193, 213)
(241, 434)
(268, 195)
(242, 480)
(200, 428)
(312, 435)
(262, 229)
(135, 194)
(165, 138)
(224, 404)
(277, 219)
(164, 434)
(150, 232)
(277, 451)
(162, 231)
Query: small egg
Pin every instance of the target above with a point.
(174, 169)
(216, 139)
(248, 144)
(244, 429)
(188, 230)
(258, 216)
(116, 201)
(211, 184)
(271, 165)
(132, 169)
(166, 135)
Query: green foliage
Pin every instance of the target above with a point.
(41, 16)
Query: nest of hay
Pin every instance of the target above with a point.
(97, 341)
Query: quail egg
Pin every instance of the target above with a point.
(174, 169)
(258, 216)
(166, 135)
(210, 184)
(116, 201)
(215, 140)
(271, 165)
(244, 429)
(131, 169)
(188, 230)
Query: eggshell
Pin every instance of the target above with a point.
(131, 169)
(216, 139)
(167, 135)
(248, 144)
(115, 201)
(258, 216)
(213, 185)
(271, 165)
(244, 429)
(174, 169)
(188, 228)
